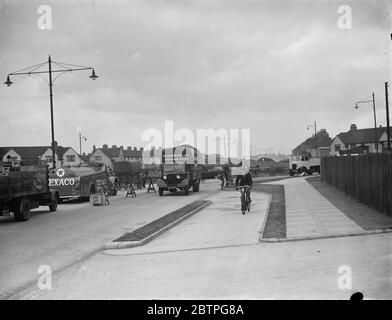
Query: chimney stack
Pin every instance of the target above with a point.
(353, 127)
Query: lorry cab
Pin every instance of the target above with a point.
(303, 164)
(179, 177)
(179, 172)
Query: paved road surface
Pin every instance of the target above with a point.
(216, 254)
(76, 231)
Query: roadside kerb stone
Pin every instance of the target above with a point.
(130, 244)
(364, 233)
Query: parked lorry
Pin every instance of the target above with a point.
(81, 182)
(24, 187)
(303, 164)
(127, 171)
(179, 170)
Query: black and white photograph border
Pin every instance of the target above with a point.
(186, 150)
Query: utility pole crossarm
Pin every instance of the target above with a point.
(53, 71)
(64, 67)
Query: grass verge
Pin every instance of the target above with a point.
(156, 225)
(275, 224)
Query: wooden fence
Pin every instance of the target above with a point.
(367, 178)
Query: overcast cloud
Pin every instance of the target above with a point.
(271, 66)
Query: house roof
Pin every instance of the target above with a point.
(111, 152)
(33, 152)
(3, 151)
(319, 140)
(357, 136)
(61, 150)
(128, 153)
(30, 152)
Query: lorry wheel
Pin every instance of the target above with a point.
(160, 191)
(53, 205)
(186, 190)
(310, 172)
(291, 173)
(22, 212)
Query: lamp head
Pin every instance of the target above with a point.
(93, 75)
(8, 82)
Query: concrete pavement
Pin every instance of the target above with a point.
(309, 214)
(216, 254)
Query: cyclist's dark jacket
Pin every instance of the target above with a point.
(245, 180)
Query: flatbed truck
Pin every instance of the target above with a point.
(25, 187)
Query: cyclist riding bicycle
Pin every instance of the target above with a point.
(245, 180)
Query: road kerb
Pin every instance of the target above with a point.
(266, 215)
(131, 244)
(365, 233)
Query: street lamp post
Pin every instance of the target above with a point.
(64, 67)
(314, 125)
(80, 142)
(387, 111)
(374, 113)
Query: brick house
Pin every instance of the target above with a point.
(65, 156)
(106, 155)
(132, 154)
(317, 146)
(360, 141)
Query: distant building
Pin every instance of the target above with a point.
(317, 146)
(360, 141)
(132, 154)
(108, 155)
(85, 157)
(65, 156)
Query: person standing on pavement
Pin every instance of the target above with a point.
(222, 179)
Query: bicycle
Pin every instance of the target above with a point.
(245, 199)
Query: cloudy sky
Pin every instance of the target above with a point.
(271, 66)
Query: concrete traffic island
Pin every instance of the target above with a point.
(153, 229)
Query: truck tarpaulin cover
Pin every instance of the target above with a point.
(23, 181)
(125, 168)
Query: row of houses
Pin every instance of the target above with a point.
(67, 156)
(353, 141)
